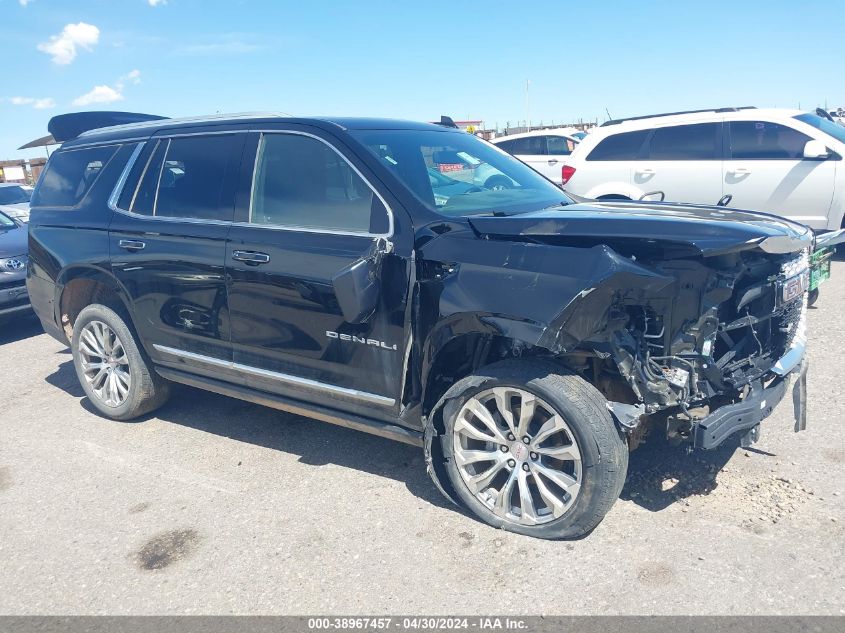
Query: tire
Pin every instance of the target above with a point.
(597, 442)
(812, 297)
(497, 183)
(121, 386)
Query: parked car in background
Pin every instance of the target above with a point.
(14, 200)
(524, 341)
(544, 150)
(785, 162)
(13, 260)
(468, 168)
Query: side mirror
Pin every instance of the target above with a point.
(357, 287)
(816, 150)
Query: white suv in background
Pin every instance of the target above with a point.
(785, 162)
(544, 150)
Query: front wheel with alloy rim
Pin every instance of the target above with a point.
(115, 374)
(532, 449)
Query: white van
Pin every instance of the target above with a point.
(785, 162)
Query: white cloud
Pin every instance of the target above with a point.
(133, 76)
(109, 94)
(23, 3)
(38, 104)
(155, 3)
(99, 94)
(63, 47)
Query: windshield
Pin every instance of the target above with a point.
(6, 222)
(492, 180)
(825, 125)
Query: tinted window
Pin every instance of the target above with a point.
(559, 145)
(302, 182)
(527, 145)
(192, 178)
(684, 142)
(70, 175)
(13, 195)
(625, 146)
(761, 140)
(143, 200)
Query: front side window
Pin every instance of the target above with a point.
(559, 145)
(624, 146)
(13, 195)
(301, 182)
(685, 142)
(6, 222)
(482, 179)
(70, 174)
(762, 140)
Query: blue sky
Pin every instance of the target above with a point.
(411, 60)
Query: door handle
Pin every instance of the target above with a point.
(251, 257)
(739, 171)
(132, 245)
(645, 172)
(553, 161)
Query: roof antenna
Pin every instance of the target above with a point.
(609, 118)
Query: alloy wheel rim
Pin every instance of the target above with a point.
(105, 365)
(517, 455)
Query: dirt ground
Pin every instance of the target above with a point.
(217, 506)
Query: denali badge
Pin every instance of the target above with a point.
(362, 341)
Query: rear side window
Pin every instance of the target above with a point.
(301, 182)
(70, 175)
(183, 177)
(685, 142)
(762, 140)
(533, 145)
(624, 146)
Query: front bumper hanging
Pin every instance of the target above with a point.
(745, 415)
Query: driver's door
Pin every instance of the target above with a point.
(308, 216)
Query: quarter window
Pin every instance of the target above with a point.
(762, 140)
(624, 146)
(685, 142)
(70, 176)
(301, 182)
(528, 145)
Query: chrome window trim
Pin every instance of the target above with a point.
(302, 229)
(296, 381)
(158, 180)
(121, 181)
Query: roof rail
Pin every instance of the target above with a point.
(65, 127)
(654, 116)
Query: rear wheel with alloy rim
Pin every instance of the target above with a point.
(533, 449)
(116, 375)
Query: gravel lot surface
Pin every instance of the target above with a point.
(217, 506)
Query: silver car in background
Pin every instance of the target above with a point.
(13, 259)
(14, 200)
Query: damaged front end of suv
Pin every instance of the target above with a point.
(686, 318)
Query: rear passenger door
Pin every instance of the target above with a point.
(168, 246)
(684, 162)
(309, 214)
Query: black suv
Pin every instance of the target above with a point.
(523, 339)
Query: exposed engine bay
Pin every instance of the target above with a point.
(704, 341)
